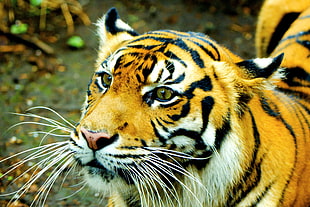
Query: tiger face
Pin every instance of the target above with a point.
(158, 107)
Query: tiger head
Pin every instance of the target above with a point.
(159, 104)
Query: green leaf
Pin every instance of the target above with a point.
(19, 28)
(10, 178)
(76, 42)
(36, 2)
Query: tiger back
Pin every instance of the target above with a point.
(289, 33)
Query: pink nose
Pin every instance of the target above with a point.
(97, 140)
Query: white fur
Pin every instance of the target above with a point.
(208, 135)
(223, 170)
(263, 62)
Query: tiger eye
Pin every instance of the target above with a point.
(106, 79)
(164, 94)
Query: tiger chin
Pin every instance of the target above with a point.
(175, 119)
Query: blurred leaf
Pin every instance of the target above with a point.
(19, 28)
(75, 42)
(36, 2)
(10, 178)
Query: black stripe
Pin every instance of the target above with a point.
(177, 42)
(194, 54)
(296, 36)
(177, 80)
(204, 84)
(159, 75)
(296, 94)
(184, 132)
(271, 109)
(184, 112)
(206, 106)
(262, 195)
(305, 43)
(170, 66)
(292, 73)
(252, 175)
(167, 122)
(207, 51)
(146, 47)
(162, 139)
(173, 56)
(138, 78)
(222, 132)
(281, 28)
(104, 64)
(199, 145)
(206, 39)
(89, 92)
(100, 89)
(162, 125)
(147, 71)
(118, 63)
(171, 104)
(164, 32)
(190, 36)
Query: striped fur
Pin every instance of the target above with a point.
(175, 119)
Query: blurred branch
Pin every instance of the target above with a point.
(31, 41)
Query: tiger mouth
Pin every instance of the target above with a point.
(111, 169)
(95, 164)
(129, 172)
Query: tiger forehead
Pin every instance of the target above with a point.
(132, 63)
(167, 41)
(146, 49)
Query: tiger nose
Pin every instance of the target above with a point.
(97, 140)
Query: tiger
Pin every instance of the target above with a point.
(175, 119)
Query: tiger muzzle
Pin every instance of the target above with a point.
(97, 140)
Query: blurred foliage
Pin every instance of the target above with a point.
(14, 10)
(19, 28)
(75, 42)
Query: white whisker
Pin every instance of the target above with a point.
(75, 192)
(40, 124)
(162, 164)
(34, 177)
(150, 182)
(49, 109)
(51, 121)
(33, 149)
(174, 153)
(50, 134)
(167, 190)
(47, 185)
(42, 151)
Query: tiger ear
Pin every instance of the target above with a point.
(112, 31)
(261, 67)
